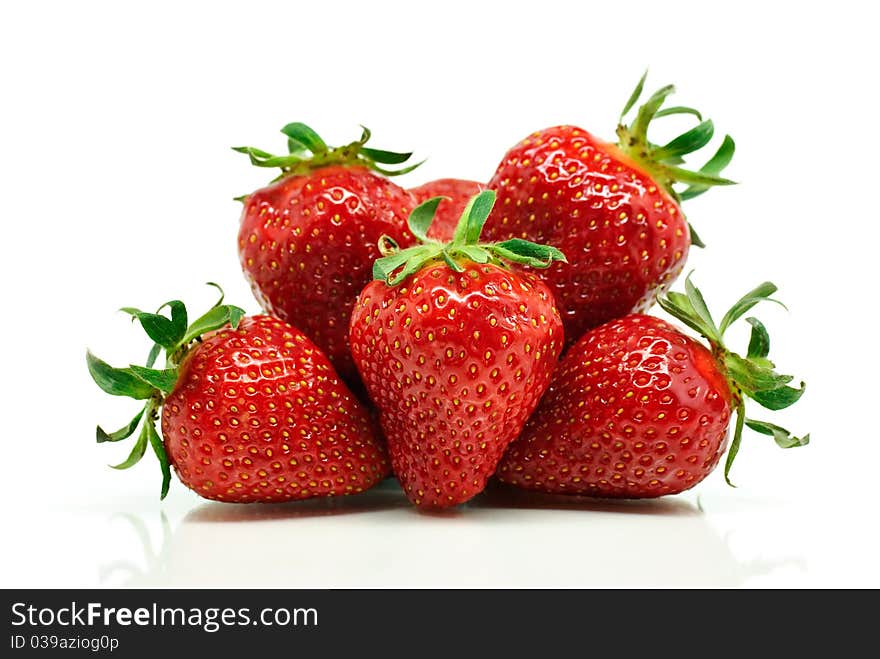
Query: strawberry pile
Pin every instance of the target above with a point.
(458, 332)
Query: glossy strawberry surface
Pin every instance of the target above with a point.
(625, 237)
(458, 191)
(307, 245)
(259, 415)
(455, 362)
(636, 409)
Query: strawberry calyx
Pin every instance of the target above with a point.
(665, 162)
(307, 151)
(753, 376)
(172, 334)
(396, 264)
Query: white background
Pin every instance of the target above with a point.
(117, 185)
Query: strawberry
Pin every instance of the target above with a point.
(611, 208)
(455, 350)
(640, 409)
(251, 410)
(458, 193)
(307, 242)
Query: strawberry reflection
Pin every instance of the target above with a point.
(503, 538)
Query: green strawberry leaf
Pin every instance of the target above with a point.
(303, 134)
(694, 139)
(647, 111)
(159, 450)
(526, 252)
(634, 97)
(159, 328)
(460, 235)
(179, 319)
(451, 262)
(124, 432)
(296, 148)
(746, 302)
(220, 290)
(164, 380)
(384, 267)
(696, 241)
(753, 377)
(263, 159)
(695, 297)
(480, 208)
(411, 260)
(214, 319)
(679, 307)
(735, 442)
(137, 451)
(679, 109)
(253, 151)
(714, 167)
(385, 157)
(475, 253)
(759, 342)
(117, 381)
(397, 172)
(782, 437)
(681, 301)
(412, 266)
(778, 398)
(154, 355)
(695, 178)
(422, 216)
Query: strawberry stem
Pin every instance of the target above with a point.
(171, 334)
(752, 376)
(663, 162)
(307, 151)
(735, 442)
(396, 265)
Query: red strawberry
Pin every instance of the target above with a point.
(458, 192)
(308, 241)
(252, 411)
(640, 409)
(611, 208)
(455, 350)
